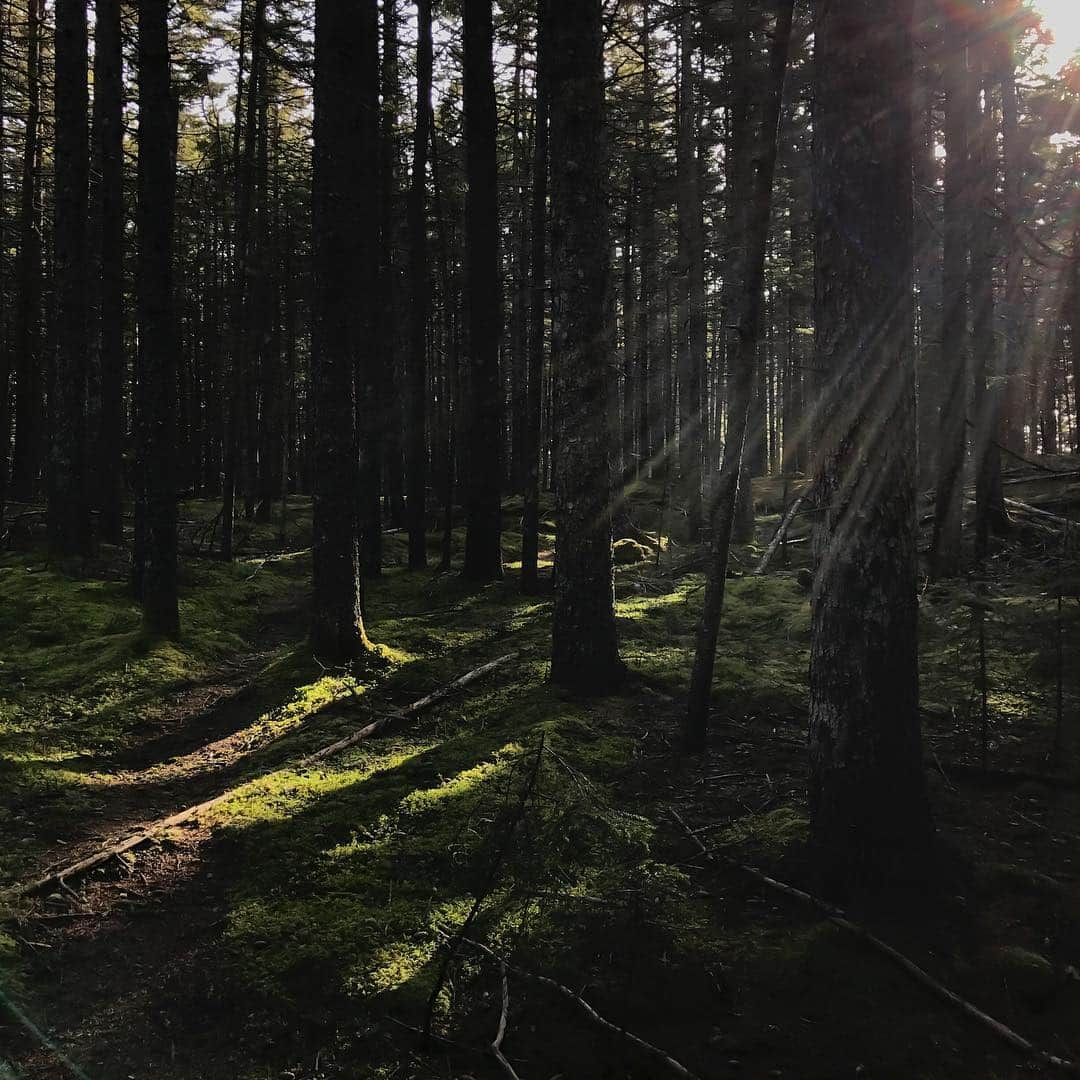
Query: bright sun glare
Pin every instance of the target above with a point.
(1062, 19)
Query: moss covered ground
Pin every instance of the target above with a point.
(301, 927)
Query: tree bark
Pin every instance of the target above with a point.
(109, 128)
(868, 813)
(691, 322)
(26, 457)
(952, 445)
(68, 506)
(156, 405)
(483, 533)
(420, 285)
(530, 522)
(345, 224)
(585, 654)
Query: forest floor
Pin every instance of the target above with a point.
(299, 927)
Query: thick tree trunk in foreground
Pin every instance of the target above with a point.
(585, 653)
(530, 520)
(156, 405)
(69, 508)
(344, 223)
(109, 129)
(751, 200)
(420, 284)
(483, 536)
(868, 811)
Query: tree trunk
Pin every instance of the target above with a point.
(344, 224)
(585, 655)
(483, 536)
(68, 507)
(109, 127)
(751, 202)
(868, 810)
(530, 522)
(26, 460)
(420, 285)
(156, 405)
(1012, 407)
(990, 515)
(952, 444)
(691, 322)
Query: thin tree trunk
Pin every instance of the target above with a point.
(26, 460)
(530, 526)
(952, 445)
(420, 307)
(751, 202)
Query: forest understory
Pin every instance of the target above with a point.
(321, 915)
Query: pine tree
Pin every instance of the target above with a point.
(868, 810)
(585, 653)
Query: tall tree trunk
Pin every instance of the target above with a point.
(585, 654)
(691, 322)
(26, 461)
(530, 526)
(344, 224)
(868, 809)
(990, 515)
(420, 286)
(1012, 407)
(156, 406)
(109, 128)
(69, 508)
(751, 202)
(483, 535)
(5, 328)
(948, 512)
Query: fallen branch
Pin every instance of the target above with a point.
(839, 918)
(781, 532)
(1034, 511)
(500, 1034)
(154, 829)
(654, 1051)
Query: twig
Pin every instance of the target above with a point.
(496, 1045)
(654, 1051)
(839, 918)
(153, 829)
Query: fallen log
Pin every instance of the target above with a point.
(154, 829)
(781, 532)
(1045, 515)
(838, 918)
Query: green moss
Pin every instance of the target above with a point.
(771, 833)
